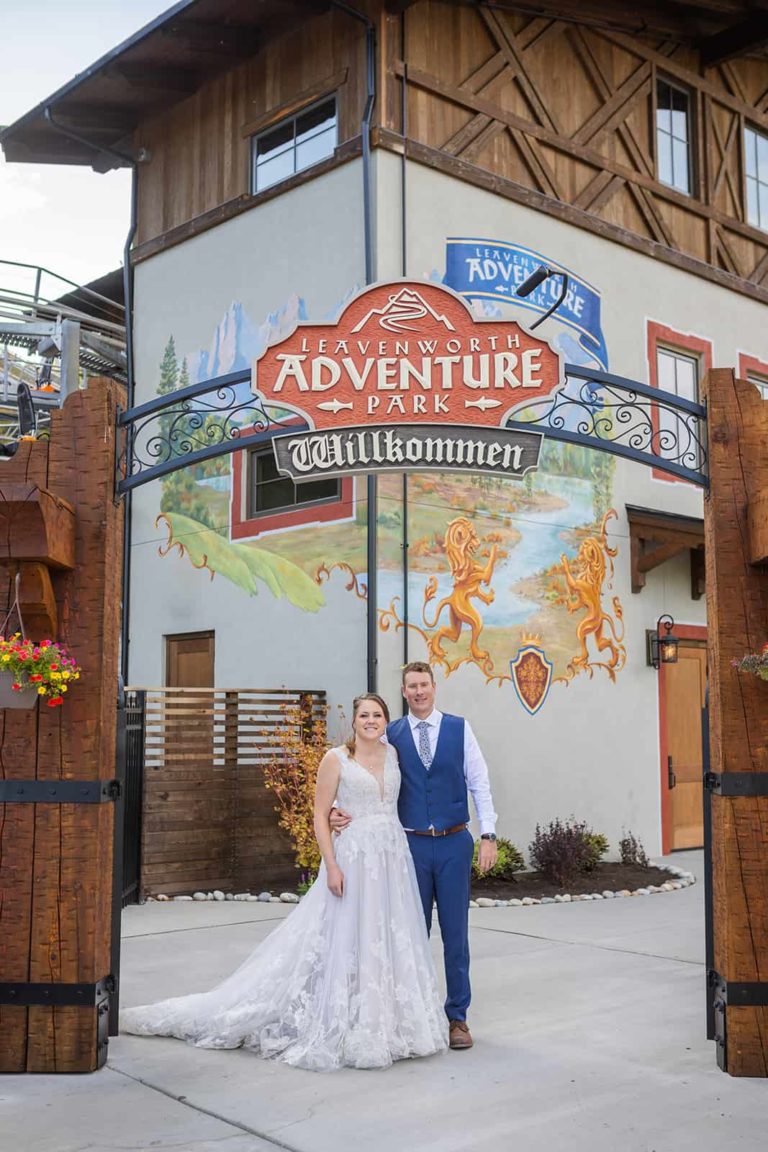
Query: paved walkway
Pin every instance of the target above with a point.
(590, 1037)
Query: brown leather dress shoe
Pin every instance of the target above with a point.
(459, 1035)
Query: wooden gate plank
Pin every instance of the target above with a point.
(737, 616)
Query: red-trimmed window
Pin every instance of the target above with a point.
(756, 371)
(676, 363)
(265, 501)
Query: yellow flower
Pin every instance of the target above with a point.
(55, 675)
(41, 690)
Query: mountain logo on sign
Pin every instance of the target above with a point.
(401, 309)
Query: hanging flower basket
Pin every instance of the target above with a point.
(14, 696)
(754, 662)
(31, 671)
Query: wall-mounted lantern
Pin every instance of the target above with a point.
(662, 648)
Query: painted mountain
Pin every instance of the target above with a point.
(237, 340)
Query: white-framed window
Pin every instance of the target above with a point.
(294, 144)
(756, 169)
(673, 136)
(677, 372)
(269, 491)
(760, 382)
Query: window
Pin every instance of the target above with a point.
(269, 491)
(676, 363)
(293, 145)
(755, 371)
(673, 136)
(678, 373)
(756, 148)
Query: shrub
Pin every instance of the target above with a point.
(301, 741)
(562, 850)
(509, 861)
(632, 852)
(599, 846)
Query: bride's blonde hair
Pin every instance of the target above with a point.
(358, 700)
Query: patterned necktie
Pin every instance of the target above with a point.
(425, 752)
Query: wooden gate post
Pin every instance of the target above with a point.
(736, 538)
(56, 857)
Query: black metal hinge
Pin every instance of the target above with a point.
(58, 791)
(732, 994)
(29, 995)
(737, 783)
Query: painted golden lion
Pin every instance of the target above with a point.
(469, 575)
(583, 592)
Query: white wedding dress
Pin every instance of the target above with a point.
(343, 981)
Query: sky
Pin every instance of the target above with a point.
(70, 220)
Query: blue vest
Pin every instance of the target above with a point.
(436, 797)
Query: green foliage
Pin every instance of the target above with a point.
(599, 845)
(245, 564)
(509, 861)
(631, 851)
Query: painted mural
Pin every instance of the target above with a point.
(515, 578)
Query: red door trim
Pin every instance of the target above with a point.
(683, 632)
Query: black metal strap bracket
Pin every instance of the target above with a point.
(58, 791)
(26, 995)
(739, 993)
(737, 783)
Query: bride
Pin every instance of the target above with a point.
(347, 979)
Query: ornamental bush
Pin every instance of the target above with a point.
(563, 849)
(302, 741)
(508, 861)
(631, 851)
(599, 845)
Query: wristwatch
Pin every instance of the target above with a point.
(488, 836)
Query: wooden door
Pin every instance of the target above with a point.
(684, 688)
(189, 660)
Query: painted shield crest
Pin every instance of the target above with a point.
(531, 676)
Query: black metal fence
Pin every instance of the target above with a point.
(132, 783)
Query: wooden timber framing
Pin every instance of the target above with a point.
(554, 113)
(200, 148)
(655, 537)
(56, 859)
(737, 617)
(208, 819)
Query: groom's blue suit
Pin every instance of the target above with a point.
(436, 798)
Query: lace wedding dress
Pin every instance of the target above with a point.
(342, 981)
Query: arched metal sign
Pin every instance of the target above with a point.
(408, 379)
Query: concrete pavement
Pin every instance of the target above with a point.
(590, 1037)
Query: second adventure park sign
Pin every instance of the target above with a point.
(407, 379)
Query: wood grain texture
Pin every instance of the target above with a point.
(208, 819)
(55, 863)
(737, 618)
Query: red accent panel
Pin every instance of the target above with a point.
(751, 364)
(699, 347)
(245, 528)
(683, 632)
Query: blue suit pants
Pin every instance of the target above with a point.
(443, 869)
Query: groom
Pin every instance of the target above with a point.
(439, 761)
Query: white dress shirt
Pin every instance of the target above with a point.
(475, 767)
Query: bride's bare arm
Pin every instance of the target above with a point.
(325, 793)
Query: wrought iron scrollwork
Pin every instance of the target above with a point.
(192, 425)
(594, 409)
(626, 418)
